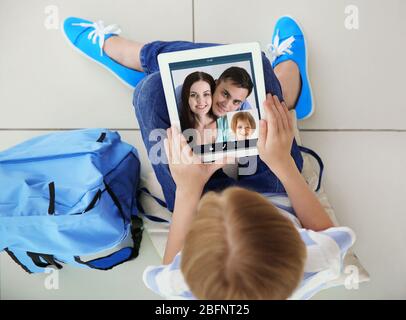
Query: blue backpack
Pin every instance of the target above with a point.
(68, 195)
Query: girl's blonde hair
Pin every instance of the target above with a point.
(242, 116)
(240, 247)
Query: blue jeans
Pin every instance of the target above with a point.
(152, 113)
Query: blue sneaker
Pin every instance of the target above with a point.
(88, 38)
(288, 43)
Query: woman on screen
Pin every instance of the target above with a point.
(196, 111)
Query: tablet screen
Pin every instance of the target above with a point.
(217, 102)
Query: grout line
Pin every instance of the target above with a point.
(65, 129)
(352, 130)
(137, 129)
(193, 20)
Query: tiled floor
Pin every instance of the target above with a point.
(358, 128)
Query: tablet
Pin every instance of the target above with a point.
(214, 96)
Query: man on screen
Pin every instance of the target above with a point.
(232, 89)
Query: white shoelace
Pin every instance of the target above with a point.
(99, 31)
(277, 49)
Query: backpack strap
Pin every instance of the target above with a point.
(32, 262)
(319, 161)
(17, 260)
(159, 201)
(51, 208)
(124, 254)
(101, 137)
(42, 260)
(115, 200)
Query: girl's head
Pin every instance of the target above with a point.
(243, 125)
(240, 246)
(197, 91)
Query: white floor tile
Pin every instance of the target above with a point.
(44, 83)
(357, 75)
(366, 183)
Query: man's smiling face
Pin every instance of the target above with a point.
(227, 98)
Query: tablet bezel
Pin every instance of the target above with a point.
(164, 61)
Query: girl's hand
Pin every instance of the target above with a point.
(276, 134)
(187, 169)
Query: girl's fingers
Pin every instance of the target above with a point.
(289, 116)
(169, 134)
(275, 121)
(168, 150)
(182, 141)
(175, 143)
(168, 144)
(282, 114)
(187, 155)
(263, 131)
(183, 150)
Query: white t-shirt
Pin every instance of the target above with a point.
(325, 255)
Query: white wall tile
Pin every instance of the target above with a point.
(357, 76)
(44, 83)
(365, 181)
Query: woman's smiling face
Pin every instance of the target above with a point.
(200, 98)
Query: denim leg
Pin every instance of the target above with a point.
(152, 113)
(150, 51)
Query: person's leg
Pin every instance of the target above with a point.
(150, 51)
(289, 59)
(124, 51)
(151, 112)
(88, 38)
(144, 56)
(288, 75)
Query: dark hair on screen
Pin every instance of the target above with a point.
(187, 117)
(239, 77)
